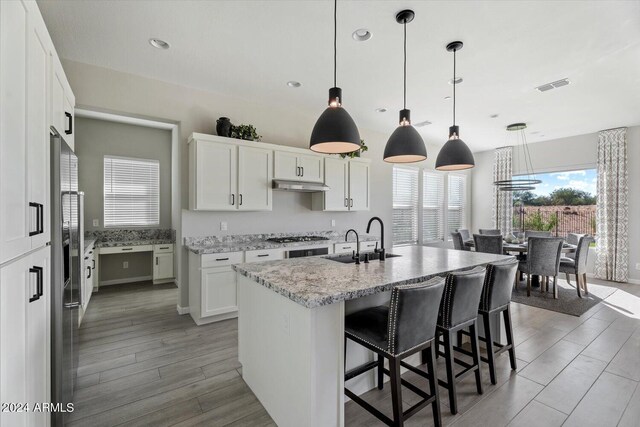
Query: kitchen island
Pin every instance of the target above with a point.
(291, 324)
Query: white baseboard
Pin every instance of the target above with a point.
(182, 310)
(127, 280)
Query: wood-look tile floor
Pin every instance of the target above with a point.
(141, 364)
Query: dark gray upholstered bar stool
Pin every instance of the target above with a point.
(543, 259)
(458, 242)
(488, 243)
(578, 266)
(458, 311)
(490, 232)
(405, 327)
(496, 299)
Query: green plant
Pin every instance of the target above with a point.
(353, 154)
(246, 132)
(534, 221)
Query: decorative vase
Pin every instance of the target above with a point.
(223, 126)
(510, 238)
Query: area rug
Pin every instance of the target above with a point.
(568, 301)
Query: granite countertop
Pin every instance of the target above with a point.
(222, 247)
(117, 243)
(88, 243)
(129, 237)
(318, 281)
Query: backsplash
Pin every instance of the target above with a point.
(245, 238)
(124, 235)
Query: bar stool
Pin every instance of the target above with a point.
(496, 299)
(459, 310)
(404, 328)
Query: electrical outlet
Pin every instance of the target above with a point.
(333, 222)
(638, 266)
(223, 226)
(96, 223)
(125, 264)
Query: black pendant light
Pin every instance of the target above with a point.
(454, 155)
(405, 145)
(335, 131)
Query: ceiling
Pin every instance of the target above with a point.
(250, 49)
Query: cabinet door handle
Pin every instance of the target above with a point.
(222, 259)
(262, 255)
(302, 168)
(164, 247)
(351, 204)
(39, 286)
(156, 260)
(346, 203)
(240, 200)
(233, 199)
(94, 264)
(89, 276)
(297, 170)
(70, 121)
(126, 249)
(38, 218)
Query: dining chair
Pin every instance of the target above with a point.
(543, 259)
(466, 235)
(458, 242)
(488, 244)
(578, 266)
(573, 239)
(533, 233)
(490, 232)
(394, 332)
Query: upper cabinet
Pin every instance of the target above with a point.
(294, 166)
(62, 103)
(226, 177)
(27, 58)
(348, 182)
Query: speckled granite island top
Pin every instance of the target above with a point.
(317, 281)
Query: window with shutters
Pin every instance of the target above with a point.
(405, 205)
(456, 202)
(432, 206)
(131, 192)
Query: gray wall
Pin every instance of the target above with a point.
(95, 139)
(578, 152)
(140, 266)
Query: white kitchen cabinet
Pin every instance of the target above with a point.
(254, 178)
(358, 186)
(162, 267)
(259, 255)
(294, 166)
(24, 134)
(213, 176)
(212, 286)
(348, 182)
(25, 337)
(62, 102)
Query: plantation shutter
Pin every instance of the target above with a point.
(432, 206)
(457, 205)
(405, 205)
(131, 192)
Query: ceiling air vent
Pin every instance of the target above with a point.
(421, 124)
(553, 85)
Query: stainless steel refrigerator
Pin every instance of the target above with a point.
(67, 232)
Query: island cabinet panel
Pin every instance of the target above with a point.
(212, 286)
(292, 356)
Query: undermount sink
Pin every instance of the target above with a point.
(348, 258)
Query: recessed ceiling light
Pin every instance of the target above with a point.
(381, 110)
(159, 44)
(458, 80)
(447, 98)
(493, 116)
(293, 83)
(361, 35)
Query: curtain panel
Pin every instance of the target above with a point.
(612, 211)
(502, 200)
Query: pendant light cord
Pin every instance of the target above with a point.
(454, 87)
(404, 104)
(335, 42)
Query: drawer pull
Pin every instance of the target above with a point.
(126, 249)
(346, 247)
(165, 247)
(263, 255)
(222, 259)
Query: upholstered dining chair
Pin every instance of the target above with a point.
(533, 233)
(458, 242)
(578, 266)
(543, 259)
(488, 244)
(466, 235)
(573, 239)
(490, 232)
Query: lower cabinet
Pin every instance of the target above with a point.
(25, 338)
(162, 263)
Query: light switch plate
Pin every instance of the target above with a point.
(223, 226)
(96, 223)
(333, 222)
(125, 264)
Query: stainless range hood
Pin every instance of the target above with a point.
(301, 186)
